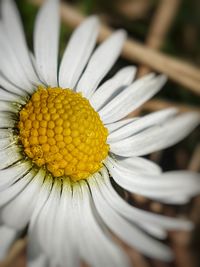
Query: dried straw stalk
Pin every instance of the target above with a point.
(16, 250)
(157, 104)
(159, 28)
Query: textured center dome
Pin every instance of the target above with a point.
(60, 130)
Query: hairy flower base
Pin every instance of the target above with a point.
(59, 129)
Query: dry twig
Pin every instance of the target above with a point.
(194, 164)
(157, 104)
(133, 9)
(15, 251)
(160, 25)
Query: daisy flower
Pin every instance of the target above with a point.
(64, 147)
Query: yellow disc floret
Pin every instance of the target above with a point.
(59, 129)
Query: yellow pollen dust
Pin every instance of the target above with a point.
(59, 129)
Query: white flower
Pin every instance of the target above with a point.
(72, 208)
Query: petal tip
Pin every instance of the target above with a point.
(121, 33)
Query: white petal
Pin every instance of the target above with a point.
(7, 85)
(17, 212)
(46, 37)
(15, 189)
(112, 127)
(117, 204)
(10, 65)
(110, 88)
(47, 219)
(157, 137)
(93, 241)
(126, 231)
(34, 244)
(161, 187)
(77, 52)
(9, 156)
(43, 221)
(6, 142)
(178, 200)
(65, 234)
(6, 133)
(14, 30)
(11, 174)
(33, 60)
(7, 237)
(141, 124)
(154, 230)
(137, 215)
(8, 106)
(100, 63)
(131, 98)
(8, 96)
(139, 165)
(7, 120)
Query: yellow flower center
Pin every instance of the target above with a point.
(60, 130)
